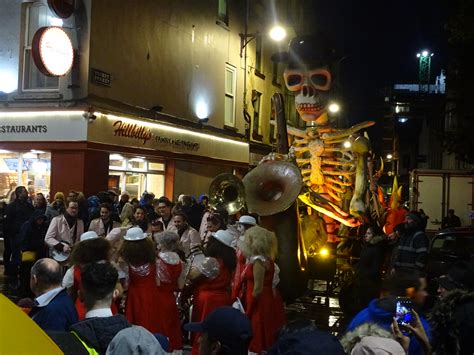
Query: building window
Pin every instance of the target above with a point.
(275, 74)
(256, 103)
(258, 55)
(37, 15)
(222, 12)
(31, 169)
(136, 175)
(230, 87)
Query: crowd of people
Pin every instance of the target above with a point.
(117, 275)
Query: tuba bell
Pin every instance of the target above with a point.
(272, 187)
(227, 191)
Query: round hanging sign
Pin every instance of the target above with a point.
(52, 51)
(62, 8)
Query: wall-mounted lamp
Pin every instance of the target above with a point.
(277, 33)
(202, 111)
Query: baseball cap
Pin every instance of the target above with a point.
(309, 341)
(227, 325)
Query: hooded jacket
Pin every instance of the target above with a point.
(381, 312)
(98, 332)
(31, 235)
(452, 319)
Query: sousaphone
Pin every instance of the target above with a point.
(272, 187)
(227, 191)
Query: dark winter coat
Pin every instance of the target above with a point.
(452, 320)
(98, 332)
(32, 235)
(371, 259)
(17, 213)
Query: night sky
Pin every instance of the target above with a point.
(379, 40)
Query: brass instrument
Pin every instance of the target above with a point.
(227, 191)
(272, 187)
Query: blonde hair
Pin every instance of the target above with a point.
(259, 241)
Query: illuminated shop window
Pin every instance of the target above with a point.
(30, 169)
(136, 175)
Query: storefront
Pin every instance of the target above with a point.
(54, 151)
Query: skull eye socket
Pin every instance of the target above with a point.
(294, 79)
(319, 79)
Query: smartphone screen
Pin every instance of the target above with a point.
(403, 313)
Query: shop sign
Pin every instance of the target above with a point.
(43, 126)
(52, 51)
(108, 129)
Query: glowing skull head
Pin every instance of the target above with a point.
(312, 90)
(308, 75)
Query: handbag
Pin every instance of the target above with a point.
(28, 256)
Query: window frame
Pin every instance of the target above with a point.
(223, 17)
(233, 70)
(27, 48)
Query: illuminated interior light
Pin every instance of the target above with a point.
(37, 151)
(116, 157)
(139, 160)
(389, 156)
(347, 144)
(4, 151)
(40, 167)
(170, 128)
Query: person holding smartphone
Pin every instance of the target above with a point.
(382, 311)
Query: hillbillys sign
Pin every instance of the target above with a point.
(133, 133)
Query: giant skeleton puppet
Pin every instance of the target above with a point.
(334, 176)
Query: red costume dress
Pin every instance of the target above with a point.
(212, 292)
(142, 306)
(266, 311)
(237, 281)
(169, 268)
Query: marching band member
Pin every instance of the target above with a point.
(212, 278)
(262, 302)
(169, 271)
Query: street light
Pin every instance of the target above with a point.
(334, 107)
(277, 33)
